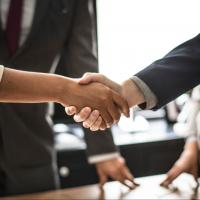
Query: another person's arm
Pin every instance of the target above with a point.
(30, 87)
(164, 79)
(187, 163)
(79, 55)
(128, 89)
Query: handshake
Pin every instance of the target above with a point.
(98, 102)
(94, 99)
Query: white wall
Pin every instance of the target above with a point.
(134, 33)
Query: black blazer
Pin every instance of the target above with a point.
(174, 74)
(62, 36)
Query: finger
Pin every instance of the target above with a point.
(127, 185)
(96, 125)
(117, 176)
(114, 112)
(103, 125)
(121, 103)
(102, 178)
(71, 110)
(127, 174)
(107, 118)
(91, 77)
(91, 119)
(121, 178)
(171, 176)
(83, 114)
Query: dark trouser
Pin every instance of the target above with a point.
(27, 154)
(29, 180)
(2, 184)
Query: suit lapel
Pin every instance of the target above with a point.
(40, 11)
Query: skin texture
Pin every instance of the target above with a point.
(29, 87)
(117, 170)
(187, 163)
(91, 118)
(99, 97)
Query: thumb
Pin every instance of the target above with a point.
(90, 77)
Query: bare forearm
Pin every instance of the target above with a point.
(30, 87)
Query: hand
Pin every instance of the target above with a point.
(128, 89)
(92, 119)
(100, 78)
(99, 97)
(117, 170)
(187, 163)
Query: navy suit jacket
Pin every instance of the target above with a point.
(175, 73)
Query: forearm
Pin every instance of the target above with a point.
(30, 87)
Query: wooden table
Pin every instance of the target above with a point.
(182, 188)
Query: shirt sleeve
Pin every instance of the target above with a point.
(1, 71)
(149, 96)
(103, 157)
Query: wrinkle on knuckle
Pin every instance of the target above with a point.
(87, 74)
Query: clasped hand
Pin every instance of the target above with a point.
(97, 102)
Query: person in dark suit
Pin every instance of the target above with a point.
(152, 88)
(45, 36)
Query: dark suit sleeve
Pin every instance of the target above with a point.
(80, 56)
(174, 74)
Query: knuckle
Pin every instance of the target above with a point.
(85, 124)
(104, 98)
(87, 74)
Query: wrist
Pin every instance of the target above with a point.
(132, 93)
(62, 90)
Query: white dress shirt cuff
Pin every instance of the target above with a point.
(103, 157)
(1, 71)
(149, 96)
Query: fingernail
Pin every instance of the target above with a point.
(108, 125)
(95, 112)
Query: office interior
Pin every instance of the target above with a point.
(130, 36)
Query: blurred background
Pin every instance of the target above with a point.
(131, 35)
